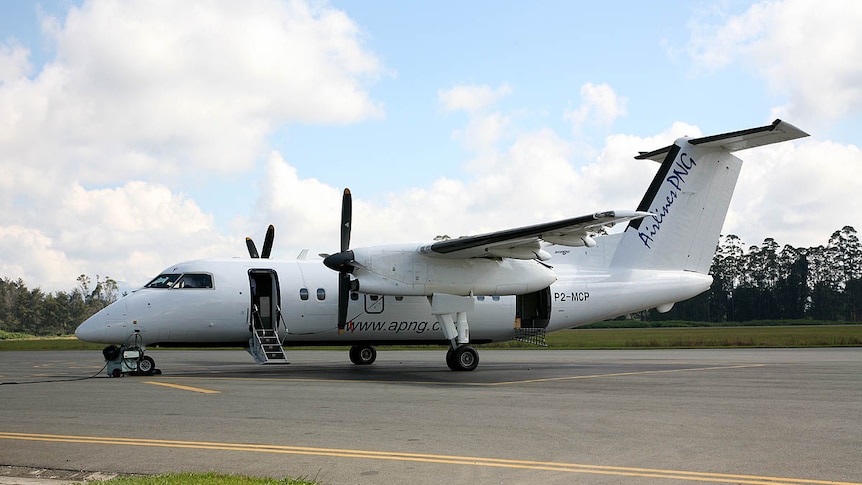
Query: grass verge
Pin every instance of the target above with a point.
(708, 337)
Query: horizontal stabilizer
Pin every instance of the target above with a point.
(777, 132)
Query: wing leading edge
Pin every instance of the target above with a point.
(526, 242)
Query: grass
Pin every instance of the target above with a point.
(29, 342)
(200, 479)
(708, 337)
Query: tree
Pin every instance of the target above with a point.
(37, 313)
(773, 282)
(847, 265)
(792, 292)
(726, 271)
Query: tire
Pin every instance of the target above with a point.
(363, 354)
(464, 358)
(450, 359)
(146, 366)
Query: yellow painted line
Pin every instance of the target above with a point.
(430, 458)
(184, 388)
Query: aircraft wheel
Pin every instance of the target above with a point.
(146, 366)
(363, 354)
(464, 358)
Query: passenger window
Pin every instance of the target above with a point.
(495, 298)
(163, 281)
(303, 294)
(480, 298)
(354, 295)
(321, 294)
(399, 298)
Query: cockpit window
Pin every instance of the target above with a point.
(163, 281)
(188, 280)
(194, 280)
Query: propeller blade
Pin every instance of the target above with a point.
(267, 242)
(343, 261)
(343, 300)
(346, 219)
(252, 249)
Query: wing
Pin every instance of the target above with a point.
(526, 242)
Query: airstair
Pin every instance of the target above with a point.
(265, 347)
(264, 344)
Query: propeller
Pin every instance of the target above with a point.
(267, 244)
(343, 260)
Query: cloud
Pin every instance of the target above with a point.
(136, 93)
(486, 126)
(786, 191)
(803, 49)
(14, 63)
(30, 254)
(797, 194)
(600, 106)
(128, 232)
(471, 98)
(142, 97)
(535, 177)
(306, 212)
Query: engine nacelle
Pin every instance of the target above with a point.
(402, 271)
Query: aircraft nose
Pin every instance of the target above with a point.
(108, 325)
(92, 330)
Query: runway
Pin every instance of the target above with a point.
(632, 417)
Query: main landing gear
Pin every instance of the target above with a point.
(363, 354)
(451, 312)
(462, 358)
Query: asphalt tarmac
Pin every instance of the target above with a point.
(622, 417)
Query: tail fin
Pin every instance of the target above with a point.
(689, 198)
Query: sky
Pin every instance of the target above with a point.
(137, 134)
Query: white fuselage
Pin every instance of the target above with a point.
(307, 299)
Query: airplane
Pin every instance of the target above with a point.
(513, 284)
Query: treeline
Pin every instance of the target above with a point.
(770, 282)
(35, 312)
